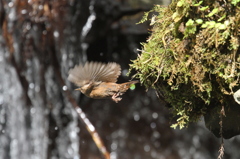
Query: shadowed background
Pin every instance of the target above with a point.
(39, 42)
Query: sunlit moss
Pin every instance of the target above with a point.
(192, 56)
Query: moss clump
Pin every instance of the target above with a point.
(192, 56)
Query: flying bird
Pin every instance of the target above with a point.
(98, 80)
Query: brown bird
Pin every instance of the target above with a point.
(98, 80)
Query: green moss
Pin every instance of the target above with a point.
(192, 55)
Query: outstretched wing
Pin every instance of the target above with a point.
(94, 71)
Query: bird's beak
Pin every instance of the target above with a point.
(78, 89)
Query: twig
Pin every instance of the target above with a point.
(221, 149)
(91, 129)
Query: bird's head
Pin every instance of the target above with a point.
(85, 87)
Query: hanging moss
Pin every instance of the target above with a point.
(192, 56)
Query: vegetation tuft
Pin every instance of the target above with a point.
(192, 56)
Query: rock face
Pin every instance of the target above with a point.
(39, 42)
(230, 118)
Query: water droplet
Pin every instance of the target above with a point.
(24, 11)
(31, 85)
(154, 115)
(10, 4)
(114, 146)
(40, 7)
(113, 155)
(77, 130)
(147, 148)
(56, 34)
(76, 157)
(1, 100)
(64, 57)
(156, 134)
(33, 110)
(196, 141)
(89, 124)
(70, 151)
(83, 115)
(121, 133)
(44, 32)
(35, 28)
(124, 72)
(153, 125)
(12, 15)
(73, 134)
(64, 88)
(91, 7)
(132, 86)
(56, 128)
(153, 154)
(37, 89)
(136, 116)
(28, 26)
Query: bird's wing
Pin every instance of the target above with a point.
(94, 71)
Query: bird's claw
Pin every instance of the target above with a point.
(116, 97)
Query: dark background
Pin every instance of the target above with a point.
(39, 42)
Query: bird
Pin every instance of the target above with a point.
(98, 80)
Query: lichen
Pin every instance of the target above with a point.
(192, 55)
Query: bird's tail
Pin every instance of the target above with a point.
(125, 86)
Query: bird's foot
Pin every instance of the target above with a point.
(116, 97)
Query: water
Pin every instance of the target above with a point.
(35, 121)
(85, 30)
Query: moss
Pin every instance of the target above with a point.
(192, 56)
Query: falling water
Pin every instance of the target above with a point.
(86, 28)
(46, 126)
